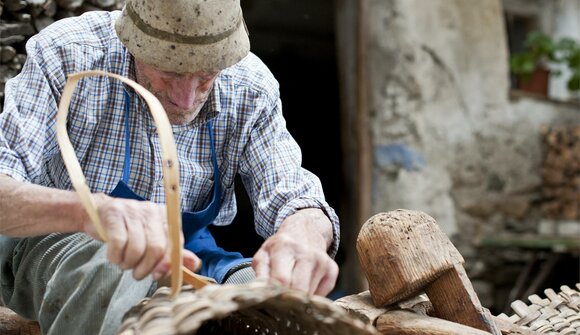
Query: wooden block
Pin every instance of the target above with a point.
(402, 252)
(361, 306)
(12, 324)
(409, 323)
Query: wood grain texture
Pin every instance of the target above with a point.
(12, 324)
(401, 252)
(409, 323)
(454, 299)
(361, 306)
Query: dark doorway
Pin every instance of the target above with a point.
(295, 39)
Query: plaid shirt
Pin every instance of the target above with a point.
(249, 129)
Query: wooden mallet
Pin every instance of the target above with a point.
(404, 252)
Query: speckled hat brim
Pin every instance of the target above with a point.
(186, 55)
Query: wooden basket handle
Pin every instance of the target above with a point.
(170, 174)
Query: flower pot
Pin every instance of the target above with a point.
(536, 83)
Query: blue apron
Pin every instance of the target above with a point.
(216, 262)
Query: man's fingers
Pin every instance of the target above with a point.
(191, 261)
(303, 274)
(116, 240)
(328, 281)
(261, 264)
(281, 266)
(136, 243)
(162, 269)
(156, 250)
(136, 234)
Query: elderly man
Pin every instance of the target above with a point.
(226, 116)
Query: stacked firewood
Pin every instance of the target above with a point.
(561, 172)
(20, 19)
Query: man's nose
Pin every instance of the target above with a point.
(183, 91)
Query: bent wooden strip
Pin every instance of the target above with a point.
(170, 172)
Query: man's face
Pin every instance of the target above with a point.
(181, 94)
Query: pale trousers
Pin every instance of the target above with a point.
(65, 282)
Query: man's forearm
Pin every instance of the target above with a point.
(29, 210)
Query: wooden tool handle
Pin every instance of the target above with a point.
(454, 299)
(170, 173)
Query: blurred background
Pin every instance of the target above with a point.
(466, 110)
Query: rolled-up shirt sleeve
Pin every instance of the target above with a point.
(26, 121)
(272, 174)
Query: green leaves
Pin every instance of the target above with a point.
(523, 64)
(574, 82)
(542, 50)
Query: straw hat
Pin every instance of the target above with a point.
(184, 35)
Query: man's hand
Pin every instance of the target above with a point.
(296, 255)
(136, 236)
(136, 230)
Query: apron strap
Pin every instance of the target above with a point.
(127, 163)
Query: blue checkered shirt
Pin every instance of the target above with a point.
(249, 129)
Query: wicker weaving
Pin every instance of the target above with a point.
(254, 308)
(558, 313)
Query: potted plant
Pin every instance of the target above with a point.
(542, 53)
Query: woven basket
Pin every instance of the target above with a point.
(254, 308)
(558, 313)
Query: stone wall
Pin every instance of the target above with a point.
(439, 80)
(447, 137)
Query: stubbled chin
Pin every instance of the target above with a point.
(180, 116)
